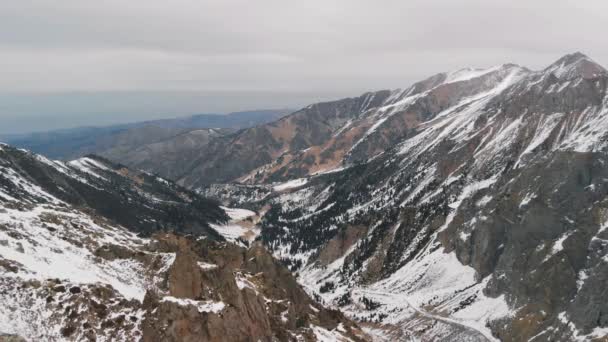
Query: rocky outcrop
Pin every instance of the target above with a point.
(228, 293)
(197, 290)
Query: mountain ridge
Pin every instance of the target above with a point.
(72, 143)
(484, 220)
(471, 206)
(329, 135)
(91, 250)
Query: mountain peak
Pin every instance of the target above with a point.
(575, 65)
(469, 73)
(572, 57)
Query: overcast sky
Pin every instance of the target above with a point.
(67, 63)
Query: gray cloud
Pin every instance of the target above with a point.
(299, 48)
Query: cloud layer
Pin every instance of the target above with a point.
(276, 46)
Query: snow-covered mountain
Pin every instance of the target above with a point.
(94, 251)
(469, 206)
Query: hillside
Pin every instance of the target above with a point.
(472, 206)
(93, 251)
(119, 140)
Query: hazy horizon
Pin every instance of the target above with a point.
(69, 63)
(114, 108)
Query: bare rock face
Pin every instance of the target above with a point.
(198, 290)
(228, 293)
(185, 276)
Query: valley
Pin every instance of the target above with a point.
(469, 206)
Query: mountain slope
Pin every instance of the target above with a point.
(122, 139)
(326, 136)
(72, 267)
(235, 155)
(331, 135)
(483, 219)
(143, 202)
(167, 155)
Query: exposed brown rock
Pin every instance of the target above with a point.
(11, 338)
(337, 246)
(266, 305)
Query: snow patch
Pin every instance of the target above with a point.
(201, 305)
(205, 266)
(290, 184)
(237, 214)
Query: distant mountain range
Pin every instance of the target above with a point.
(72, 143)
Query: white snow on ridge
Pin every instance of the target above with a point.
(384, 113)
(44, 254)
(468, 191)
(545, 126)
(432, 279)
(27, 186)
(588, 133)
(582, 132)
(457, 122)
(62, 167)
(324, 335)
(235, 228)
(570, 69)
(202, 306)
(469, 74)
(529, 197)
(290, 184)
(57, 240)
(237, 214)
(205, 266)
(231, 232)
(558, 245)
(243, 282)
(89, 165)
(6, 197)
(327, 171)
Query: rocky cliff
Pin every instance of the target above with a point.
(471, 208)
